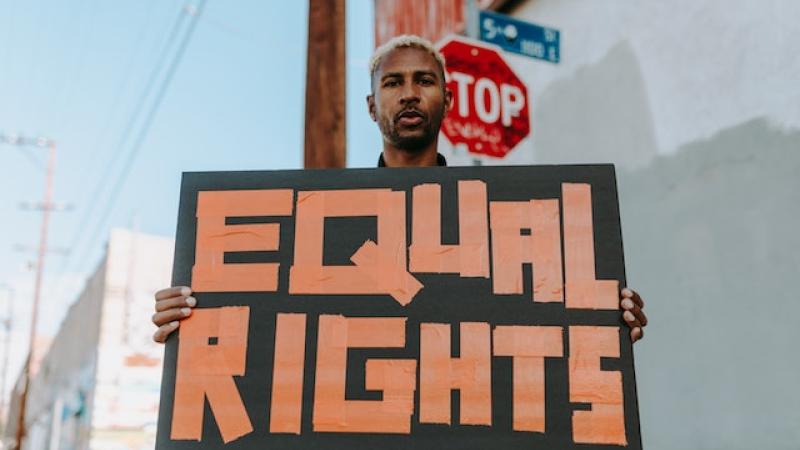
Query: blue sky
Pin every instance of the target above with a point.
(76, 71)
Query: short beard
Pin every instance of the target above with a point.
(414, 144)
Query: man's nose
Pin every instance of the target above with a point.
(410, 93)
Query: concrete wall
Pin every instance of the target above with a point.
(711, 239)
(698, 104)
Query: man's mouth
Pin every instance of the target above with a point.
(409, 118)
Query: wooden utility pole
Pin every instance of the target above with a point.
(46, 206)
(325, 134)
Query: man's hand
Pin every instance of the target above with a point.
(172, 305)
(633, 315)
(175, 303)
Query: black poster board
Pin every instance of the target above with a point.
(589, 390)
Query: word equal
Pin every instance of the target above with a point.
(521, 232)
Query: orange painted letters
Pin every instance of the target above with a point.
(395, 377)
(214, 238)
(583, 289)
(470, 257)
(471, 373)
(380, 268)
(542, 248)
(528, 345)
(605, 423)
(287, 378)
(206, 370)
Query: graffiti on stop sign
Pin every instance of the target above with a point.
(490, 102)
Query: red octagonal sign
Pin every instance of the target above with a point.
(490, 105)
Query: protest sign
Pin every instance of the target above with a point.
(428, 308)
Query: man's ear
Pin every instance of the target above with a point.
(371, 107)
(448, 100)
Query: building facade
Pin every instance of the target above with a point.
(698, 106)
(98, 385)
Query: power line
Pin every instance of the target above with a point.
(8, 42)
(128, 70)
(228, 28)
(35, 45)
(147, 123)
(94, 198)
(62, 95)
(28, 154)
(135, 116)
(161, 47)
(145, 128)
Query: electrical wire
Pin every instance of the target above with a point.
(144, 129)
(128, 71)
(97, 192)
(31, 157)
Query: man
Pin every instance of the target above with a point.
(409, 100)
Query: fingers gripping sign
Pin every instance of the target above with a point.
(633, 314)
(172, 305)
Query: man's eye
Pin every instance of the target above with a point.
(426, 82)
(390, 83)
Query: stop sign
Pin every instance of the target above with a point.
(490, 105)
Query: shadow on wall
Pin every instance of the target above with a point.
(712, 240)
(599, 114)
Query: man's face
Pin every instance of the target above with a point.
(409, 99)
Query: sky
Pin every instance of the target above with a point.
(88, 75)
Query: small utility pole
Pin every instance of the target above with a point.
(46, 207)
(325, 132)
(6, 351)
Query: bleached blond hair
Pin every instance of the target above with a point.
(404, 41)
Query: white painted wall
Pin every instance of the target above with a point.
(698, 104)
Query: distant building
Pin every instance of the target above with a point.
(97, 387)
